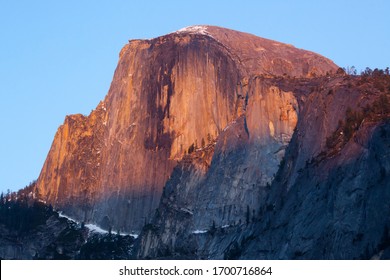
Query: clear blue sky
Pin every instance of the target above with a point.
(58, 57)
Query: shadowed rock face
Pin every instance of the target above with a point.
(328, 197)
(196, 88)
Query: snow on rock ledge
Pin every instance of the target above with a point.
(195, 29)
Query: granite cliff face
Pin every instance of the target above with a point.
(328, 198)
(217, 144)
(193, 100)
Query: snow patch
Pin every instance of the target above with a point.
(199, 231)
(131, 234)
(61, 215)
(195, 29)
(96, 229)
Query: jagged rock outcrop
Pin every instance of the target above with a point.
(170, 96)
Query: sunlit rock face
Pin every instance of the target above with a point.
(196, 100)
